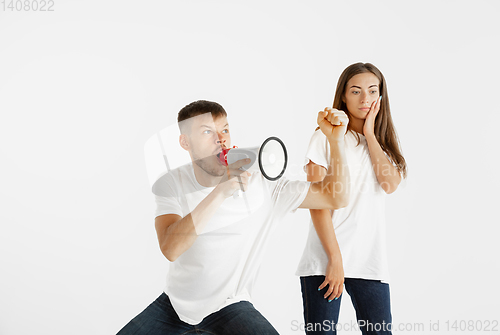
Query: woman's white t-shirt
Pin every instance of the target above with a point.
(221, 266)
(359, 227)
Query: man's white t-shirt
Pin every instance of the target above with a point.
(359, 227)
(221, 266)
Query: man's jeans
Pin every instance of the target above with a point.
(161, 318)
(370, 299)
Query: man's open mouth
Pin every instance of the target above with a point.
(222, 156)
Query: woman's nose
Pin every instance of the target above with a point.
(365, 98)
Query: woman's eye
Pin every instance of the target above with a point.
(355, 92)
(206, 132)
(225, 131)
(373, 92)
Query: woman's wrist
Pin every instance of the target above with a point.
(370, 138)
(334, 255)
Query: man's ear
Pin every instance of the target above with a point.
(184, 142)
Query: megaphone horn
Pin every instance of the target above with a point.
(271, 156)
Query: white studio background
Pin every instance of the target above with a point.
(83, 87)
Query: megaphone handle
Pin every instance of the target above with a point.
(239, 192)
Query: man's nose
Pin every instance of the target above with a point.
(220, 139)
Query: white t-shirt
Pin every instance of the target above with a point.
(359, 227)
(221, 267)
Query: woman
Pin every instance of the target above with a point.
(347, 247)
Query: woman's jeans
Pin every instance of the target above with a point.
(370, 299)
(161, 318)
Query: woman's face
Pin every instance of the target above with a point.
(361, 91)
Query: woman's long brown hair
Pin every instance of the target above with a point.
(385, 132)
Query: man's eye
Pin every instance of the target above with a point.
(206, 132)
(225, 131)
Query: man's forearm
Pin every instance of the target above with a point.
(336, 181)
(180, 236)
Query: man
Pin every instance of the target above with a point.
(215, 241)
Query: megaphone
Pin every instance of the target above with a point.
(271, 156)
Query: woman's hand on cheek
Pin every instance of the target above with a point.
(369, 126)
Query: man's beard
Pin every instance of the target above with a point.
(208, 167)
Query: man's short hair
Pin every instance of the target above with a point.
(198, 108)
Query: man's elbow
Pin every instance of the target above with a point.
(170, 257)
(169, 254)
(339, 201)
(340, 204)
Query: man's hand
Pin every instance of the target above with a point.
(235, 179)
(333, 123)
(332, 192)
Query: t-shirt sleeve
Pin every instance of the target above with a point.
(166, 197)
(317, 150)
(167, 205)
(288, 195)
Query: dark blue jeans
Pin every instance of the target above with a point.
(370, 299)
(161, 318)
